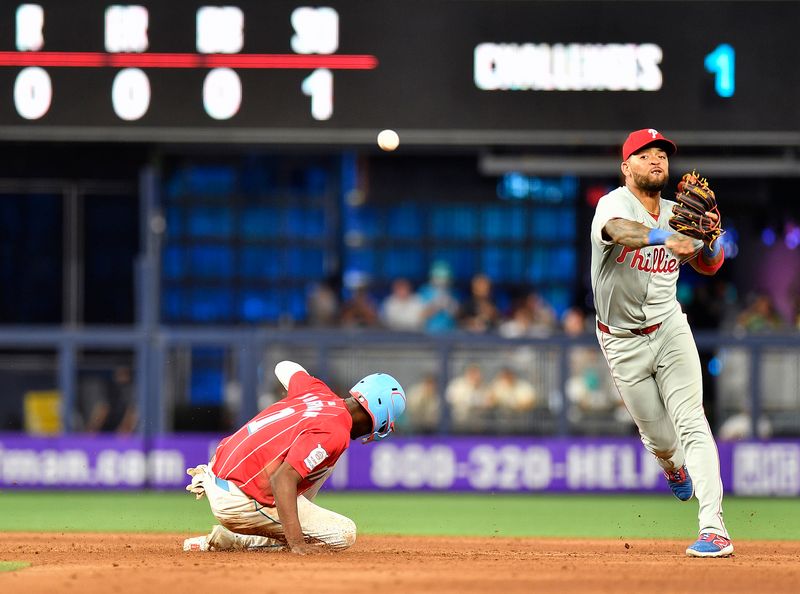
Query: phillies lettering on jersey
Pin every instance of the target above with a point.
(657, 260)
(633, 288)
(309, 429)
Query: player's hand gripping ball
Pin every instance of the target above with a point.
(388, 140)
(695, 199)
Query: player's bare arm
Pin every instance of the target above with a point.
(628, 233)
(635, 235)
(284, 487)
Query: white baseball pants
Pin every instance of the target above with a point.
(240, 514)
(659, 377)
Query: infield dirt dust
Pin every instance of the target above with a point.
(89, 563)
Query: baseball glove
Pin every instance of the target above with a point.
(695, 199)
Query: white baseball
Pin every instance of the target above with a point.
(388, 140)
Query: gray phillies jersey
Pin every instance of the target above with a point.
(633, 288)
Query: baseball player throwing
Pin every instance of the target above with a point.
(644, 334)
(262, 479)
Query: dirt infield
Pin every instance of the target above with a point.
(155, 564)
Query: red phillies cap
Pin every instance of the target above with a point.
(636, 141)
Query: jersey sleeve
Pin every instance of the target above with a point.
(313, 450)
(609, 207)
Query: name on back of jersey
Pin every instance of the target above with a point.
(314, 405)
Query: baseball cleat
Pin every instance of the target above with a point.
(222, 539)
(196, 543)
(219, 539)
(681, 483)
(711, 545)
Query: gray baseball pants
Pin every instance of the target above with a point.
(659, 377)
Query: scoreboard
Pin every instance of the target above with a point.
(479, 72)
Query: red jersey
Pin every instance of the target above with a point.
(309, 429)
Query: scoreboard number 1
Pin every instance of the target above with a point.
(722, 64)
(319, 86)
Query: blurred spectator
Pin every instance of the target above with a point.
(479, 312)
(530, 317)
(595, 405)
(760, 315)
(441, 305)
(123, 386)
(423, 405)
(107, 402)
(466, 396)
(740, 426)
(402, 309)
(575, 322)
(323, 305)
(519, 325)
(779, 370)
(360, 311)
(523, 324)
(511, 393)
(544, 316)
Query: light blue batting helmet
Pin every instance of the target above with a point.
(383, 398)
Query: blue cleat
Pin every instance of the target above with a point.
(711, 545)
(681, 483)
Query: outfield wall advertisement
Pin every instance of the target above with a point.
(483, 464)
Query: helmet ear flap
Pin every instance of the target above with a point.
(398, 403)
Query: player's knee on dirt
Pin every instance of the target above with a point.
(349, 534)
(341, 536)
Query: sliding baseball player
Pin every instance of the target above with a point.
(262, 480)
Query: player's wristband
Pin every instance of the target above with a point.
(705, 259)
(712, 252)
(657, 236)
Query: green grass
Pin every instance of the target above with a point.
(71, 511)
(12, 565)
(650, 516)
(659, 516)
